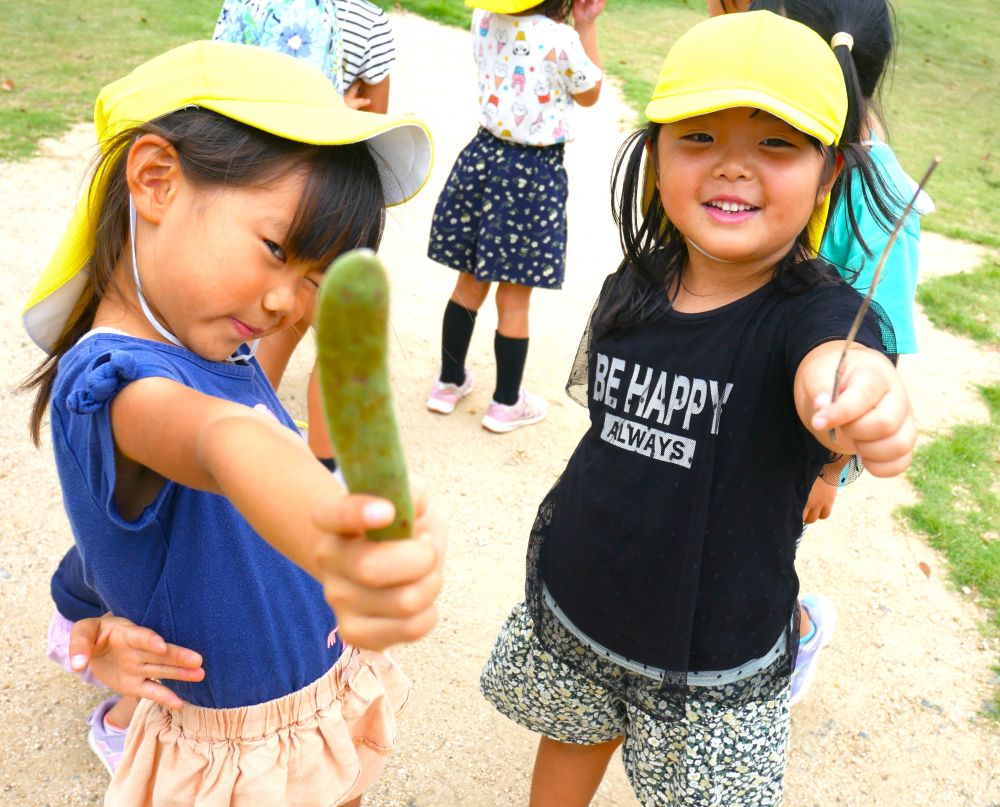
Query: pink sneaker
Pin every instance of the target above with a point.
(503, 418)
(444, 396)
(107, 741)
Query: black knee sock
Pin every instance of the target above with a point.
(456, 333)
(510, 354)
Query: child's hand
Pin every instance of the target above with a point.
(353, 97)
(820, 502)
(382, 592)
(871, 416)
(128, 658)
(586, 11)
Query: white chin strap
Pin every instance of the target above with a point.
(703, 252)
(162, 331)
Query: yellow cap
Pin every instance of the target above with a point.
(260, 88)
(755, 59)
(502, 6)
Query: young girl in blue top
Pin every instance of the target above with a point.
(863, 212)
(228, 178)
(501, 217)
(660, 610)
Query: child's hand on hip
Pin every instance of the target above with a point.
(872, 416)
(382, 592)
(130, 659)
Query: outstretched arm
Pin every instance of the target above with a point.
(270, 476)
(871, 417)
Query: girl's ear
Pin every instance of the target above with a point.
(829, 181)
(154, 175)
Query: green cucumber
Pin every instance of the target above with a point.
(352, 323)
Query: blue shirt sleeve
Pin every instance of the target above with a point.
(897, 285)
(89, 378)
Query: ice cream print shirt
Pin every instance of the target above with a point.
(529, 69)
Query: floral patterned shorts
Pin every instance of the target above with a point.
(502, 213)
(725, 748)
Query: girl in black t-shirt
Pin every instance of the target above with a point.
(661, 590)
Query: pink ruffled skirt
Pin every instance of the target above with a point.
(318, 747)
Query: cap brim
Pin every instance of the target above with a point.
(679, 107)
(401, 143)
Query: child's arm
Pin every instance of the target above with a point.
(585, 14)
(820, 502)
(128, 658)
(871, 416)
(382, 593)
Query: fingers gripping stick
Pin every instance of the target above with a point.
(352, 352)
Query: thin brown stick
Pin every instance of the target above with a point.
(866, 302)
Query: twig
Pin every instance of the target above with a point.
(866, 302)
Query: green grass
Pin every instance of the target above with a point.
(958, 480)
(58, 55)
(966, 303)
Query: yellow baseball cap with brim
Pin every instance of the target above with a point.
(760, 60)
(503, 6)
(263, 89)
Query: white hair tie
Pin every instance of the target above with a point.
(842, 38)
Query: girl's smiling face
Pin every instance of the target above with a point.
(213, 266)
(740, 184)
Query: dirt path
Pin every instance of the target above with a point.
(892, 719)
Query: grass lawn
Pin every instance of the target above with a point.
(966, 303)
(58, 55)
(958, 479)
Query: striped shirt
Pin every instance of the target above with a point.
(368, 45)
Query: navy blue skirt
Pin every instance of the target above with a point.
(502, 214)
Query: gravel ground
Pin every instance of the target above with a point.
(894, 716)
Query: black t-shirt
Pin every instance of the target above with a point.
(672, 536)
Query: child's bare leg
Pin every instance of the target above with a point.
(352, 803)
(805, 623)
(120, 715)
(512, 310)
(568, 775)
(470, 292)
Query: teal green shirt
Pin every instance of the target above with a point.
(898, 282)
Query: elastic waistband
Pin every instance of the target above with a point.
(549, 148)
(700, 678)
(263, 719)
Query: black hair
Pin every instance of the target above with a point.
(871, 23)
(655, 251)
(342, 205)
(558, 10)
